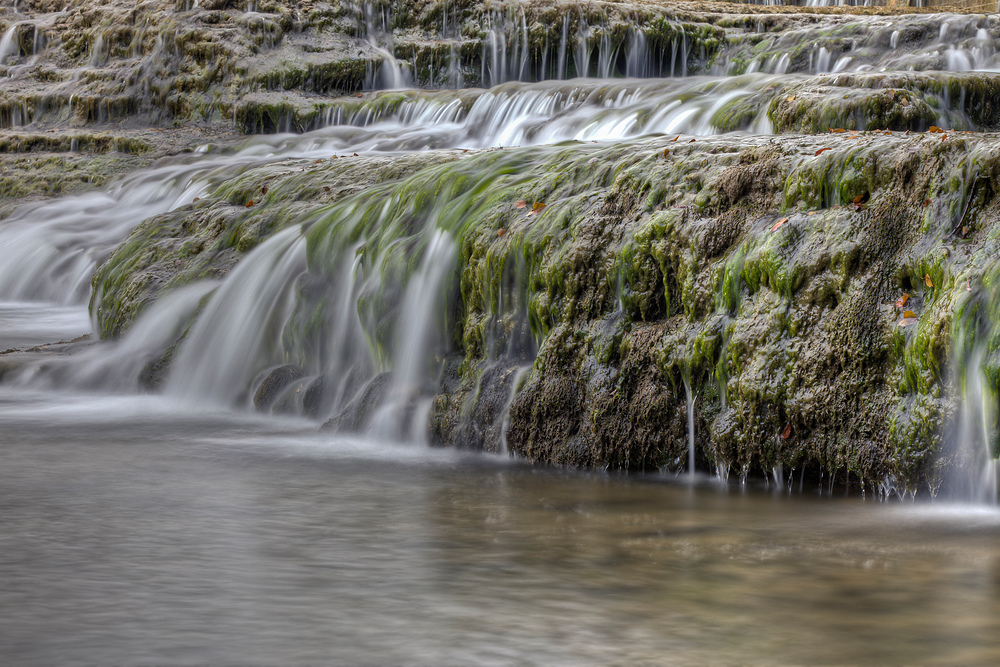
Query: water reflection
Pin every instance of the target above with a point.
(211, 538)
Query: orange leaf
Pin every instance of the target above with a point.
(909, 313)
(837, 130)
(820, 151)
(907, 321)
(927, 202)
(520, 204)
(692, 141)
(790, 98)
(666, 152)
(934, 129)
(249, 203)
(786, 433)
(779, 223)
(943, 137)
(676, 138)
(197, 198)
(536, 208)
(501, 232)
(901, 301)
(355, 155)
(928, 281)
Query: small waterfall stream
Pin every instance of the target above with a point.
(350, 302)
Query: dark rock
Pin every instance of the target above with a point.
(273, 384)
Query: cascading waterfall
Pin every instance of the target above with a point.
(352, 301)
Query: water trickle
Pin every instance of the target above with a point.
(689, 396)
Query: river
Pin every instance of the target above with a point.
(172, 486)
(142, 532)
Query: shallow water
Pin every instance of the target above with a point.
(137, 531)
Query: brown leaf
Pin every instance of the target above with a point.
(197, 198)
(927, 202)
(901, 301)
(263, 190)
(501, 232)
(861, 199)
(820, 151)
(692, 141)
(666, 152)
(928, 281)
(786, 432)
(326, 188)
(317, 162)
(968, 285)
(905, 102)
(355, 155)
(943, 137)
(249, 203)
(676, 138)
(520, 204)
(838, 130)
(907, 321)
(359, 94)
(909, 313)
(934, 129)
(965, 231)
(536, 208)
(812, 212)
(778, 224)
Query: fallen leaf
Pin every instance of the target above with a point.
(838, 130)
(666, 152)
(197, 198)
(676, 138)
(355, 155)
(778, 224)
(326, 188)
(317, 162)
(520, 204)
(536, 208)
(249, 203)
(466, 150)
(692, 141)
(359, 94)
(909, 313)
(943, 137)
(907, 321)
(927, 202)
(791, 98)
(934, 129)
(501, 232)
(901, 301)
(786, 433)
(905, 102)
(928, 281)
(861, 199)
(812, 212)
(968, 285)
(334, 157)
(965, 231)
(820, 151)
(263, 190)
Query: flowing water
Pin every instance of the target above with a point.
(183, 527)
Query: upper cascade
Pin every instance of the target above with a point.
(77, 63)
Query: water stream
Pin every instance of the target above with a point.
(173, 496)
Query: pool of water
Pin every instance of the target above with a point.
(137, 531)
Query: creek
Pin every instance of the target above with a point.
(279, 400)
